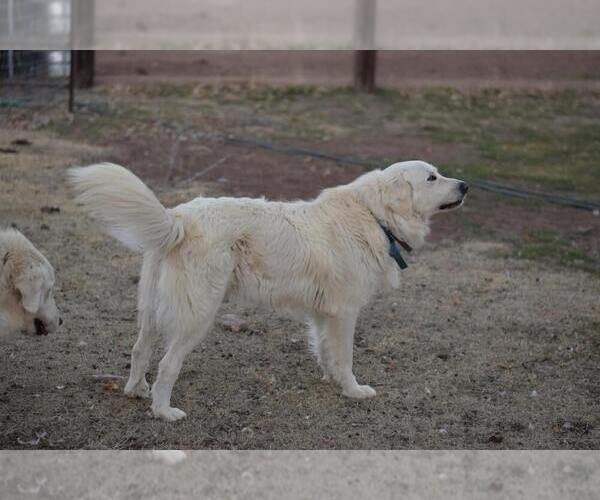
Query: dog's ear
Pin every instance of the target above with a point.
(396, 195)
(385, 195)
(29, 284)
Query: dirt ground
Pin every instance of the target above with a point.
(484, 346)
(396, 69)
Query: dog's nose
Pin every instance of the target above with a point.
(464, 187)
(60, 321)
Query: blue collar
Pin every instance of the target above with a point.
(394, 250)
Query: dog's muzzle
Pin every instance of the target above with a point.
(463, 187)
(40, 327)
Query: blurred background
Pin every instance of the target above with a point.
(311, 24)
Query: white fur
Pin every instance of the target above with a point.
(131, 213)
(26, 283)
(319, 260)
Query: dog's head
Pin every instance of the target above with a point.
(418, 187)
(28, 303)
(35, 286)
(405, 195)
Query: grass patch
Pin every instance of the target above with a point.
(566, 160)
(542, 138)
(549, 140)
(231, 92)
(549, 246)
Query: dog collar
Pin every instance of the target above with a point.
(394, 250)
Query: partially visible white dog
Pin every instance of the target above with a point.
(320, 260)
(26, 287)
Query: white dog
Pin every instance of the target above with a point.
(319, 260)
(26, 287)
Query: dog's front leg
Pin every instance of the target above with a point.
(318, 344)
(339, 338)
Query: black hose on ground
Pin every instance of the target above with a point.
(481, 184)
(485, 185)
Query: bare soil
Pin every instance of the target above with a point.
(477, 349)
(396, 69)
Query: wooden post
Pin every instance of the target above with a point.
(365, 65)
(365, 59)
(82, 63)
(82, 37)
(72, 82)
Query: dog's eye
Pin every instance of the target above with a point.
(431, 178)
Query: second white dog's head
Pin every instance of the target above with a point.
(35, 285)
(28, 282)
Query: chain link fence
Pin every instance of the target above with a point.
(34, 76)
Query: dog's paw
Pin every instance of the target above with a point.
(139, 390)
(169, 413)
(360, 392)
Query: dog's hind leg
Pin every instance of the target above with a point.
(137, 386)
(168, 371)
(186, 313)
(338, 341)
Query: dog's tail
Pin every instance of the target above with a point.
(126, 207)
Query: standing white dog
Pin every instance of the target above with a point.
(319, 260)
(26, 287)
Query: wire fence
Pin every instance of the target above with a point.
(47, 67)
(34, 77)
